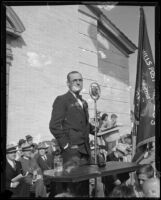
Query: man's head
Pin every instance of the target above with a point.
(128, 139)
(75, 81)
(21, 143)
(151, 187)
(113, 119)
(42, 148)
(29, 139)
(104, 117)
(11, 151)
(144, 173)
(27, 150)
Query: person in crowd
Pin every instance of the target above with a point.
(144, 173)
(123, 191)
(126, 144)
(34, 177)
(113, 180)
(55, 148)
(114, 118)
(104, 123)
(70, 126)
(29, 140)
(151, 188)
(21, 142)
(46, 162)
(15, 182)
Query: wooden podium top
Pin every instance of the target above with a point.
(91, 171)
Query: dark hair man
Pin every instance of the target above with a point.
(70, 126)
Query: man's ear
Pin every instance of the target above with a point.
(68, 83)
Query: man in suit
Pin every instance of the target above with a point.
(46, 162)
(70, 125)
(18, 188)
(34, 177)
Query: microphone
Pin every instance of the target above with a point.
(94, 91)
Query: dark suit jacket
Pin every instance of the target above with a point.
(46, 164)
(69, 122)
(22, 189)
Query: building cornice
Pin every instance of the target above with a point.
(14, 26)
(118, 38)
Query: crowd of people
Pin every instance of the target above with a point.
(26, 161)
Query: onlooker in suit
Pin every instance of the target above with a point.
(46, 162)
(70, 125)
(18, 188)
(34, 177)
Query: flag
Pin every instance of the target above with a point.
(144, 99)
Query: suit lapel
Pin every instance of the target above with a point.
(77, 105)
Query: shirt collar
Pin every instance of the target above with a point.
(73, 94)
(11, 162)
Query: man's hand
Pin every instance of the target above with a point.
(117, 182)
(15, 184)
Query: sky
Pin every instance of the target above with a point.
(126, 18)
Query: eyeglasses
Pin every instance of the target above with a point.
(75, 80)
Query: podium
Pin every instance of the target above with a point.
(86, 172)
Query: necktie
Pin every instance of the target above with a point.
(79, 96)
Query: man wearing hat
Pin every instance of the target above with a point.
(34, 177)
(15, 181)
(29, 139)
(46, 162)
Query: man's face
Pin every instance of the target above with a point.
(128, 141)
(75, 83)
(28, 154)
(30, 141)
(42, 152)
(113, 119)
(142, 178)
(11, 156)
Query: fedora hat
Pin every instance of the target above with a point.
(27, 147)
(42, 146)
(11, 148)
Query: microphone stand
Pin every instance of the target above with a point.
(95, 145)
(95, 94)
